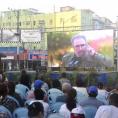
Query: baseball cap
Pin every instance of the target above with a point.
(77, 113)
(92, 89)
(38, 84)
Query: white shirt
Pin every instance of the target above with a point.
(102, 96)
(107, 111)
(81, 89)
(103, 92)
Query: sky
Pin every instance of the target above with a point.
(103, 8)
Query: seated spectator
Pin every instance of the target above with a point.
(22, 90)
(102, 93)
(53, 93)
(80, 88)
(1, 78)
(56, 84)
(36, 110)
(91, 100)
(66, 87)
(37, 85)
(25, 79)
(115, 90)
(108, 89)
(109, 111)
(70, 104)
(41, 76)
(5, 100)
(64, 78)
(80, 85)
(41, 96)
(101, 89)
(11, 92)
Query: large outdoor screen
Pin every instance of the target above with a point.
(93, 48)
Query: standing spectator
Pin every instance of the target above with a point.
(109, 111)
(70, 104)
(11, 92)
(91, 100)
(40, 96)
(66, 87)
(5, 100)
(64, 78)
(36, 85)
(25, 79)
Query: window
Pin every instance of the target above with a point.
(19, 23)
(34, 22)
(61, 20)
(73, 19)
(27, 22)
(50, 22)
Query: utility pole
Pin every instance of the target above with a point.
(1, 27)
(17, 34)
(54, 18)
(18, 38)
(43, 40)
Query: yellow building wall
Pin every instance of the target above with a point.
(53, 21)
(63, 20)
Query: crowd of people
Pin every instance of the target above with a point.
(56, 98)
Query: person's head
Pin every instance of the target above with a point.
(25, 79)
(63, 75)
(56, 84)
(80, 81)
(39, 94)
(66, 87)
(35, 110)
(40, 76)
(116, 86)
(38, 84)
(113, 99)
(3, 90)
(71, 99)
(11, 87)
(23, 72)
(100, 85)
(92, 91)
(79, 44)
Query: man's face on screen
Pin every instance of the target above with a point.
(80, 46)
